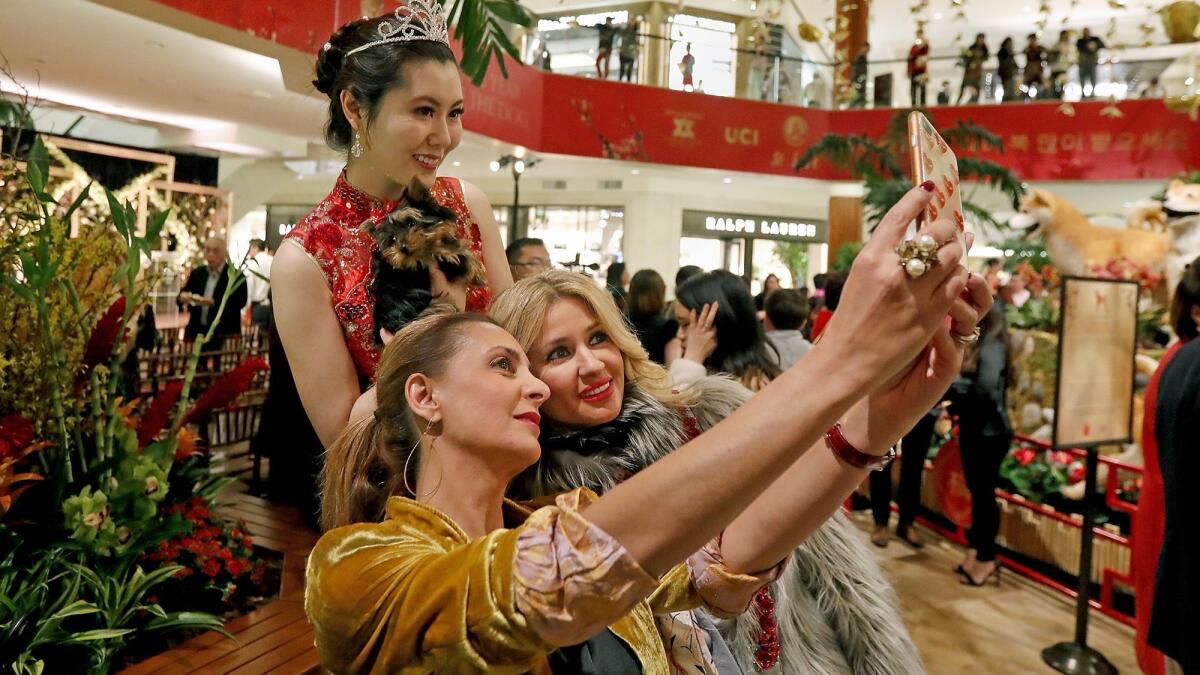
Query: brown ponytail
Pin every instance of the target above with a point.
(365, 466)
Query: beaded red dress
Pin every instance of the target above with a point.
(332, 237)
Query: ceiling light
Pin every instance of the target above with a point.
(494, 165)
(519, 151)
(1189, 81)
(519, 166)
(635, 172)
(457, 163)
(260, 93)
(937, 16)
(727, 181)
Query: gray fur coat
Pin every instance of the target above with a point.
(836, 613)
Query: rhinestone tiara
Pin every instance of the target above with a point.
(412, 21)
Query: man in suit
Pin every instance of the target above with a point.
(203, 292)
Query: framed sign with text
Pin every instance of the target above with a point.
(1096, 347)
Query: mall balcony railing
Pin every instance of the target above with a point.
(779, 78)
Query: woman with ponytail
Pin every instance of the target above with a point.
(426, 567)
(395, 107)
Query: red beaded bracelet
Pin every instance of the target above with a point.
(843, 450)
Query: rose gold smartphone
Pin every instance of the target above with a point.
(932, 159)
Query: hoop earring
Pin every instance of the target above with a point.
(408, 459)
(356, 150)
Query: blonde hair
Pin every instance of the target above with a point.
(521, 310)
(366, 464)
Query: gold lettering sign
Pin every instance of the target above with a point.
(1101, 141)
(684, 128)
(795, 130)
(1047, 143)
(1019, 142)
(741, 136)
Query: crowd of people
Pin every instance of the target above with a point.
(517, 468)
(416, 388)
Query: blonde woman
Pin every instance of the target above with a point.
(455, 580)
(612, 412)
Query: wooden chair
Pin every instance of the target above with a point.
(229, 433)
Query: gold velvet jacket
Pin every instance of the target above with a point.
(413, 594)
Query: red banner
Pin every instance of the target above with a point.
(595, 118)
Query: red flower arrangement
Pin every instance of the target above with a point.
(16, 433)
(102, 340)
(1124, 268)
(1025, 456)
(216, 555)
(16, 443)
(225, 390)
(155, 419)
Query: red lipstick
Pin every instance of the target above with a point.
(605, 390)
(532, 418)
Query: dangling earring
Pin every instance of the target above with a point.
(408, 459)
(356, 149)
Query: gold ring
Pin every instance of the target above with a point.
(968, 339)
(918, 256)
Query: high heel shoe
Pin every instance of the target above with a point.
(969, 580)
(910, 537)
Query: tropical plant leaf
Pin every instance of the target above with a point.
(98, 634)
(189, 620)
(880, 195)
(37, 167)
(480, 26)
(78, 202)
(970, 137)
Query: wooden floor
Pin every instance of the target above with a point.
(275, 638)
(990, 630)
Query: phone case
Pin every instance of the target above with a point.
(932, 159)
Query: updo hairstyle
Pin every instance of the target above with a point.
(368, 75)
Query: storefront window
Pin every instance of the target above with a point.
(714, 48)
(582, 238)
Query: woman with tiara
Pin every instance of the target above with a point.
(395, 108)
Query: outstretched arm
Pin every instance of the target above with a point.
(812, 488)
(882, 325)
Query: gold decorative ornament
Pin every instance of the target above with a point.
(1111, 110)
(808, 32)
(1181, 21)
(1189, 105)
(1066, 109)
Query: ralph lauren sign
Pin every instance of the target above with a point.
(729, 225)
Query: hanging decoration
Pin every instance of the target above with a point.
(1112, 110)
(1189, 105)
(808, 32)
(1066, 109)
(1181, 21)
